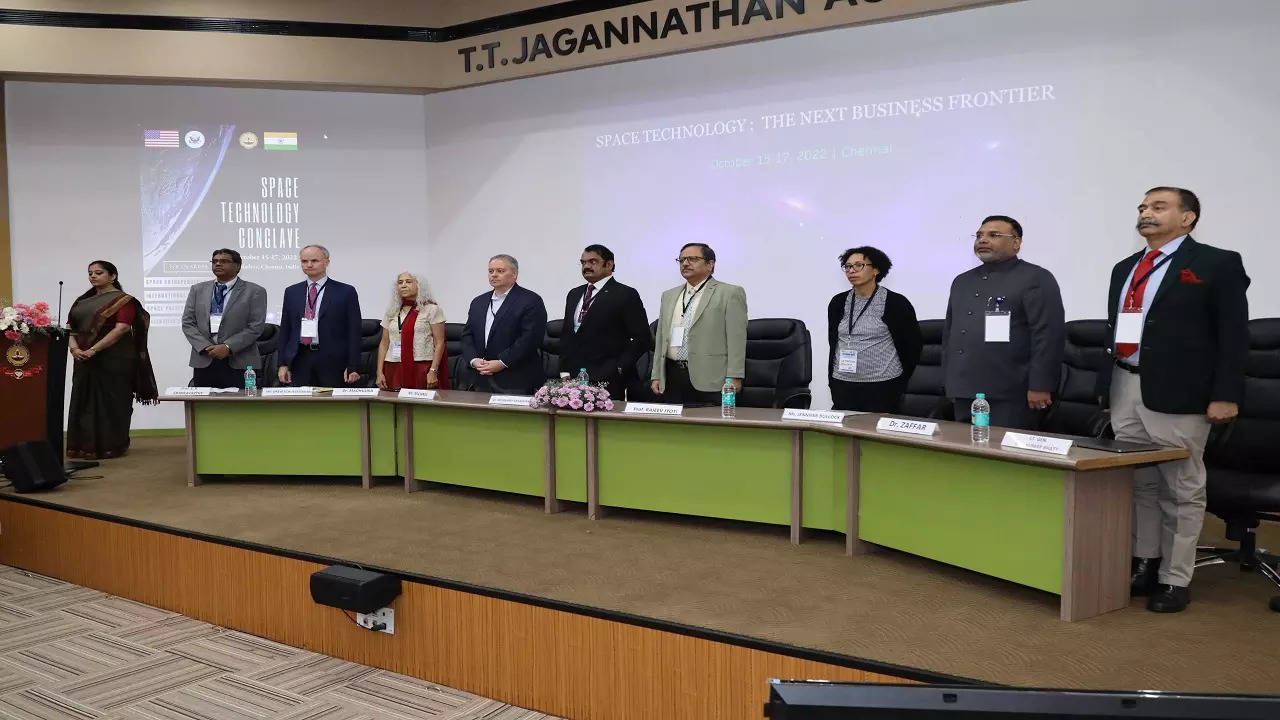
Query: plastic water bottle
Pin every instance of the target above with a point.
(728, 399)
(250, 381)
(582, 377)
(980, 411)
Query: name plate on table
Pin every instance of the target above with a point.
(824, 416)
(304, 391)
(189, 391)
(510, 400)
(1036, 443)
(415, 394)
(355, 392)
(640, 408)
(913, 427)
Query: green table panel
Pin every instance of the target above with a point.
(480, 448)
(382, 440)
(826, 471)
(724, 472)
(278, 438)
(571, 458)
(999, 518)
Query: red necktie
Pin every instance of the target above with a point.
(1133, 300)
(310, 312)
(586, 303)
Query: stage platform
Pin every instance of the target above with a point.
(879, 616)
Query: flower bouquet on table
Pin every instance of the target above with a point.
(20, 321)
(572, 395)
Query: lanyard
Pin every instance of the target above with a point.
(854, 320)
(319, 292)
(401, 318)
(1133, 286)
(686, 303)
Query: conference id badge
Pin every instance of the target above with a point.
(1129, 327)
(677, 336)
(997, 327)
(847, 361)
(215, 322)
(394, 353)
(309, 328)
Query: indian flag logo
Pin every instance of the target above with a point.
(279, 141)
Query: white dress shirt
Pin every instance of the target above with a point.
(594, 294)
(1149, 291)
(319, 299)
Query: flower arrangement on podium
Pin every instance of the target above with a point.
(20, 320)
(572, 395)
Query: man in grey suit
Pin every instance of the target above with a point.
(702, 333)
(1004, 331)
(222, 321)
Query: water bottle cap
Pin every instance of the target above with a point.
(248, 367)
(982, 396)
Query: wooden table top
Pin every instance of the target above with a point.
(952, 436)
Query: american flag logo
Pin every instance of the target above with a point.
(160, 138)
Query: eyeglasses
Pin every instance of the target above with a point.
(993, 235)
(856, 267)
(690, 260)
(222, 261)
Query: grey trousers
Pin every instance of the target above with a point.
(1169, 498)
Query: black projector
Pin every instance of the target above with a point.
(353, 589)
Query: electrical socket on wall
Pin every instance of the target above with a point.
(385, 616)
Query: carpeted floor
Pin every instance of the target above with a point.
(734, 577)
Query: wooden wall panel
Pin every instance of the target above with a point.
(550, 660)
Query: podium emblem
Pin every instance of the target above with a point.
(18, 355)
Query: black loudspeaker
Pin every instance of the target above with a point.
(33, 467)
(348, 588)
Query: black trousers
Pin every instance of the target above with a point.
(1011, 413)
(311, 367)
(679, 389)
(219, 374)
(876, 397)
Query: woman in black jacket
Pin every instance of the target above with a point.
(873, 337)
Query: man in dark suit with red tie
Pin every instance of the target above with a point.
(319, 327)
(1178, 321)
(606, 329)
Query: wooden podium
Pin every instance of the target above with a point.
(33, 375)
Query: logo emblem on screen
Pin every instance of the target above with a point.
(248, 140)
(194, 139)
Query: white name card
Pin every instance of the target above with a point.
(188, 391)
(640, 408)
(304, 391)
(355, 392)
(913, 427)
(826, 416)
(415, 394)
(510, 400)
(1037, 443)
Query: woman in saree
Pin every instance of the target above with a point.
(112, 367)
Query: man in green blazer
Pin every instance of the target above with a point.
(702, 333)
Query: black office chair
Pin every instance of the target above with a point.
(926, 396)
(779, 364)
(1075, 411)
(458, 378)
(268, 341)
(370, 338)
(550, 350)
(1243, 461)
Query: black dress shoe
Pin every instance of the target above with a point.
(1169, 599)
(1142, 581)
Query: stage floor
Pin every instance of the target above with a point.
(729, 577)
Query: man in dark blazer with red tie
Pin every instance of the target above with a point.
(1178, 322)
(319, 327)
(503, 334)
(606, 329)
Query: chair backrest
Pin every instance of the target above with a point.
(1251, 443)
(550, 349)
(926, 396)
(268, 341)
(370, 338)
(453, 353)
(1076, 411)
(779, 364)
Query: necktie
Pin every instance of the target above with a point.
(1134, 298)
(310, 313)
(586, 303)
(219, 299)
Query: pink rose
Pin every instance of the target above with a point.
(42, 321)
(560, 402)
(588, 407)
(41, 307)
(21, 307)
(12, 335)
(576, 404)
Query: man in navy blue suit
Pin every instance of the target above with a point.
(503, 333)
(319, 327)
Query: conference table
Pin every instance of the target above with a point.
(1059, 523)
